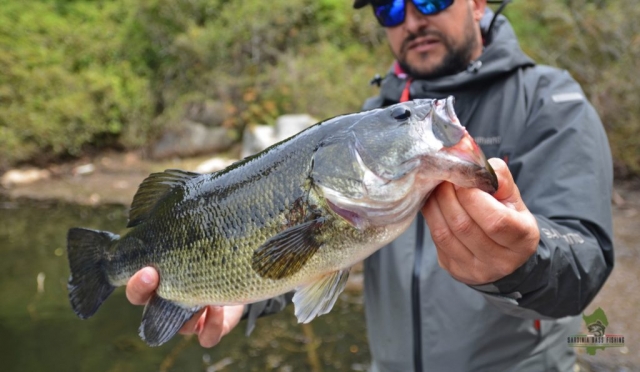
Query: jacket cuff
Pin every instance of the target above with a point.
(505, 293)
(509, 286)
(257, 310)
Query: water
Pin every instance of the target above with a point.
(40, 332)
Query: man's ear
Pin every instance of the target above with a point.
(477, 7)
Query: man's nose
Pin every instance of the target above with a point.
(414, 20)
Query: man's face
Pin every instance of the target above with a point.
(440, 44)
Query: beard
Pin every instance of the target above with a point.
(456, 59)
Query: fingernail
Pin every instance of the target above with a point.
(146, 278)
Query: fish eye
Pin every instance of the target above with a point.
(401, 113)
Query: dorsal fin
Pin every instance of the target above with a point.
(153, 190)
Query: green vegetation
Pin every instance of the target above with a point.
(82, 74)
(65, 83)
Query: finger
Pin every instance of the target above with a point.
(191, 326)
(507, 193)
(469, 234)
(506, 226)
(212, 327)
(232, 316)
(449, 247)
(142, 285)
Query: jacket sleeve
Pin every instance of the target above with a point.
(563, 168)
(267, 307)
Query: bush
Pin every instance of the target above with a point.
(265, 58)
(63, 85)
(97, 73)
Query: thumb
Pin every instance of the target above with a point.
(508, 192)
(142, 285)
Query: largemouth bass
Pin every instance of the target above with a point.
(294, 217)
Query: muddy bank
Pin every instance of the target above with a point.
(111, 178)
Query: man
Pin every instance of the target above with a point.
(491, 283)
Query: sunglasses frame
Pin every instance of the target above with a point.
(389, 6)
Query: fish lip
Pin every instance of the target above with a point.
(468, 151)
(492, 185)
(423, 109)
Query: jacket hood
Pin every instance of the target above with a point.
(500, 57)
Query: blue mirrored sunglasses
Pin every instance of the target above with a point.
(392, 13)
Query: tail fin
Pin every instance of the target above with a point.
(88, 284)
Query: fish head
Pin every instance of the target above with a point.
(422, 136)
(386, 162)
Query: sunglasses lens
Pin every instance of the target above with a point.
(392, 13)
(428, 7)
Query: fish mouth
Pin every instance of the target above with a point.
(457, 142)
(484, 176)
(423, 109)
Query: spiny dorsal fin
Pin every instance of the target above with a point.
(153, 190)
(317, 298)
(286, 253)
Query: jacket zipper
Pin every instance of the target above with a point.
(415, 296)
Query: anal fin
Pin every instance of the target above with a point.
(318, 298)
(162, 319)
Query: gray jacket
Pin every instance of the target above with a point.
(537, 119)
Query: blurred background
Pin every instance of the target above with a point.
(96, 94)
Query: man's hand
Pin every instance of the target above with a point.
(481, 238)
(210, 323)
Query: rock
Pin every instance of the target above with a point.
(208, 112)
(289, 125)
(256, 138)
(617, 199)
(214, 165)
(192, 139)
(83, 170)
(17, 177)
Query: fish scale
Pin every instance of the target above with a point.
(246, 210)
(294, 217)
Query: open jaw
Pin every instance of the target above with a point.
(403, 199)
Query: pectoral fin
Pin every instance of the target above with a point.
(318, 298)
(286, 253)
(162, 319)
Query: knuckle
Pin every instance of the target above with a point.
(441, 235)
(210, 338)
(462, 224)
(498, 225)
(135, 294)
